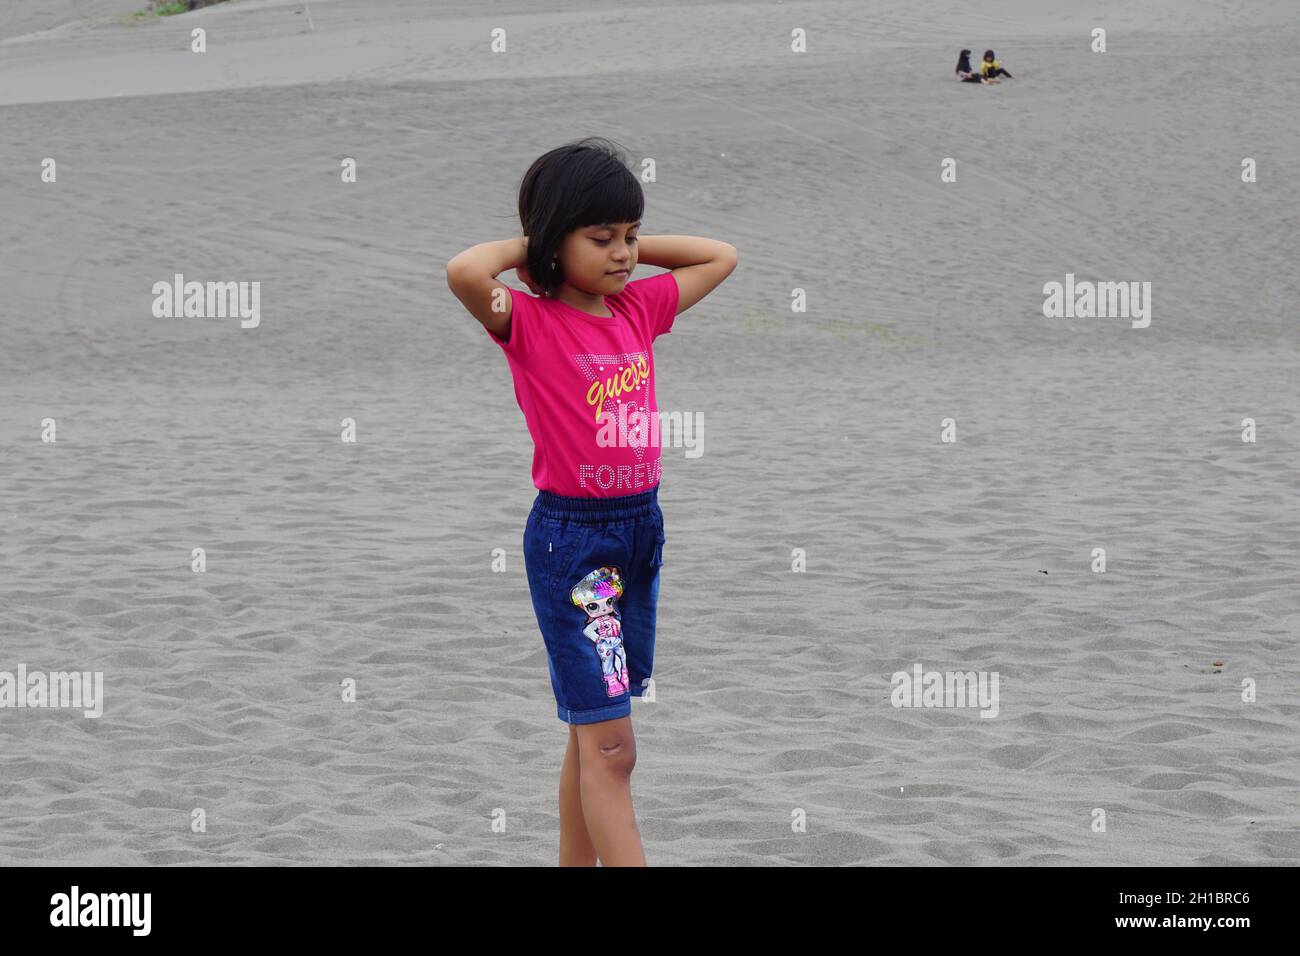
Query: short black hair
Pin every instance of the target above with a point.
(583, 183)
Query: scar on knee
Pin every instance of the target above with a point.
(611, 749)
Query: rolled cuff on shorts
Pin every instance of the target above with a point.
(610, 712)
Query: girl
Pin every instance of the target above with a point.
(991, 69)
(964, 72)
(580, 353)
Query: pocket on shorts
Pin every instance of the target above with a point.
(561, 541)
(657, 556)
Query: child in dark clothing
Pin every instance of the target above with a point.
(964, 72)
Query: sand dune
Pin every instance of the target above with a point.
(371, 561)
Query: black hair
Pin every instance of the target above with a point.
(988, 55)
(583, 183)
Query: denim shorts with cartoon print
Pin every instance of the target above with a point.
(593, 571)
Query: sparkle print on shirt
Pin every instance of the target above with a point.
(611, 377)
(595, 594)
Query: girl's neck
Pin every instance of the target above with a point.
(583, 301)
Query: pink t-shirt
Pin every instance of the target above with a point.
(585, 384)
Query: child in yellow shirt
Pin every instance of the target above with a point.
(991, 69)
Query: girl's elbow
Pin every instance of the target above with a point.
(460, 266)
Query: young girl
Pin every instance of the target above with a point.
(964, 72)
(991, 69)
(580, 352)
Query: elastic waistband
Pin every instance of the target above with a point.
(597, 510)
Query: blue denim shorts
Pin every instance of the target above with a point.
(593, 571)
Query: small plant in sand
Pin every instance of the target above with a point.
(163, 9)
(167, 9)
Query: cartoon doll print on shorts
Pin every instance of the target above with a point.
(595, 594)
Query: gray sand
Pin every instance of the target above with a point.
(371, 561)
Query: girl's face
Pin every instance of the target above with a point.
(593, 256)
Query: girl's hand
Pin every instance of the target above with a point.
(524, 276)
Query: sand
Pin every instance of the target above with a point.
(372, 561)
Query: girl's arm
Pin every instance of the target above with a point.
(698, 265)
(472, 278)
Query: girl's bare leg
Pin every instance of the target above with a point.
(607, 754)
(576, 848)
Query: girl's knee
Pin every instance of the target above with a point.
(616, 757)
(611, 750)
